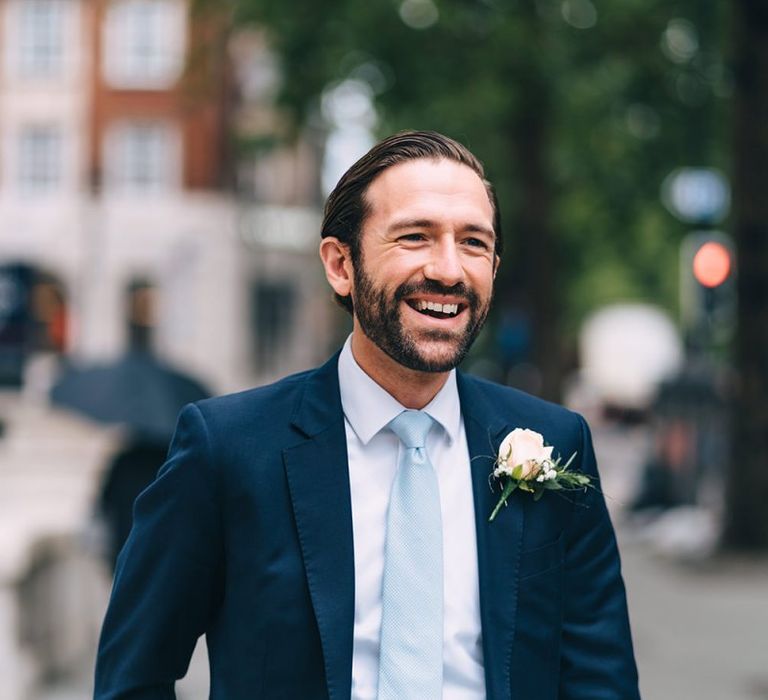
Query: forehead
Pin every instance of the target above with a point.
(429, 187)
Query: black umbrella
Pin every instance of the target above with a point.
(138, 391)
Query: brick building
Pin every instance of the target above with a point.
(116, 119)
(115, 166)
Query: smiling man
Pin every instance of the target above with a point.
(330, 533)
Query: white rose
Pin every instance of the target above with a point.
(523, 448)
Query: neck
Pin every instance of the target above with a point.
(411, 388)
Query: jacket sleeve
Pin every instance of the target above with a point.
(597, 661)
(167, 583)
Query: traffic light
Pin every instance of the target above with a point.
(707, 287)
(712, 264)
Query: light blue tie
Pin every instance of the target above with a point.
(411, 654)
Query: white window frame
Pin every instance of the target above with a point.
(144, 43)
(40, 39)
(130, 166)
(40, 151)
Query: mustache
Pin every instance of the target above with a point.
(459, 289)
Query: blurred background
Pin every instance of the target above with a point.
(163, 165)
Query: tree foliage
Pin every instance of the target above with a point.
(578, 108)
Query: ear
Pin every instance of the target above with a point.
(496, 263)
(338, 265)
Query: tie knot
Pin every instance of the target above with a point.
(412, 427)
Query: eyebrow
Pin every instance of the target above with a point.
(428, 223)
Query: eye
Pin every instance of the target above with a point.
(476, 243)
(412, 237)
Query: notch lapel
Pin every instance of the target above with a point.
(318, 479)
(498, 543)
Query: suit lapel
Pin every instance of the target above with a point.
(318, 478)
(498, 543)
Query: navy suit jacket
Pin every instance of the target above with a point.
(246, 536)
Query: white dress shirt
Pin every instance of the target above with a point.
(373, 459)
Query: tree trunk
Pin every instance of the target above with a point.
(536, 270)
(746, 524)
(538, 266)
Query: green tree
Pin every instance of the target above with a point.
(578, 110)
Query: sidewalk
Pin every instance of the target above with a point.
(700, 627)
(700, 630)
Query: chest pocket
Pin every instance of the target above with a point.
(542, 559)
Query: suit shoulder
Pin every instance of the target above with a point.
(262, 401)
(506, 407)
(507, 397)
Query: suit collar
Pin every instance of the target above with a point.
(476, 405)
(319, 405)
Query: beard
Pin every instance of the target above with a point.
(379, 315)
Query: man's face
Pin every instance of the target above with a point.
(423, 284)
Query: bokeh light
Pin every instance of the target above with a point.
(712, 264)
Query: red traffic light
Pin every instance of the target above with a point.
(712, 264)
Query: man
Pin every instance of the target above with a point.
(330, 534)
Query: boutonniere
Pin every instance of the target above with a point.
(525, 463)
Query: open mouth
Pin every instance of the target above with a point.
(435, 309)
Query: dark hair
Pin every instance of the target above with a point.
(347, 208)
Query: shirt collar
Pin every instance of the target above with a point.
(368, 408)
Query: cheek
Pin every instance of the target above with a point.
(481, 278)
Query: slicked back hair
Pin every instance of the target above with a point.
(347, 208)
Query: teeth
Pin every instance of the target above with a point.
(422, 305)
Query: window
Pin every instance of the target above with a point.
(41, 37)
(142, 157)
(273, 308)
(144, 43)
(39, 159)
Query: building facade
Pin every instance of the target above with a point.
(118, 120)
(117, 162)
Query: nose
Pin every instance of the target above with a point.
(444, 264)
